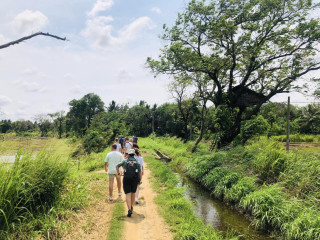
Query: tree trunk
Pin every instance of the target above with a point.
(203, 117)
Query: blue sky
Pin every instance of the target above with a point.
(109, 41)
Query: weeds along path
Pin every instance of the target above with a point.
(94, 221)
(145, 222)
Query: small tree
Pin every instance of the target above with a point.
(44, 124)
(58, 121)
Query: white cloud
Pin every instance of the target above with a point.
(29, 86)
(76, 89)
(29, 21)
(156, 10)
(99, 6)
(4, 100)
(123, 74)
(99, 30)
(29, 71)
(67, 75)
(33, 72)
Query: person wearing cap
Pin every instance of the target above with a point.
(132, 175)
(112, 159)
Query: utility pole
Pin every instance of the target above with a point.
(191, 131)
(288, 125)
(152, 125)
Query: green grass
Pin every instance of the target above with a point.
(39, 190)
(117, 222)
(280, 190)
(175, 208)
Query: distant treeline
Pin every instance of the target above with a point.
(98, 124)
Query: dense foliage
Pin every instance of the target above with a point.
(280, 190)
(237, 55)
(181, 119)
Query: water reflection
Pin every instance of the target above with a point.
(217, 214)
(7, 159)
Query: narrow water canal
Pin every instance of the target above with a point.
(216, 213)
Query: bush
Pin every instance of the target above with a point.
(270, 162)
(264, 204)
(94, 142)
(202, 166)
(211, 180)
(225, 184)
(239, 190)
(30, 187)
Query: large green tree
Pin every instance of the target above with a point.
(82, 112)
(249, 50)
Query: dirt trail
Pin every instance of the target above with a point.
(145, 222)
(93, 223)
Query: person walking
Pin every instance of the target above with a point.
(122, 141)
(112, 159)
(132, 175)
(119, 148)
(140, 161)
(128, 146)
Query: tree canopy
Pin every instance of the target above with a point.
(249, 50)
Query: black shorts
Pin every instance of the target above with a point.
(129, 185)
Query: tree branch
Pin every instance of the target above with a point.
(31, 36)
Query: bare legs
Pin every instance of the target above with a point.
(137, 193)
(119, 184)
(111, 181)
(130, 200)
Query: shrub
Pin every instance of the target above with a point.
(240, 189)
(30, 187)
(94, 142)
(211, 180)
(264, 204)
(202, 165)
(270, 163)
(225, 184)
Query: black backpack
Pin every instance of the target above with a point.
(131, 172)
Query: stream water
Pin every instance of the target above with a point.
(216, 213)
(7, 158)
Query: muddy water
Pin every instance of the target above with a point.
(216, 213)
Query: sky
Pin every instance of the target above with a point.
(108, 44)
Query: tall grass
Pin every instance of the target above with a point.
(31, 192)
(177, 210)
(280, 190)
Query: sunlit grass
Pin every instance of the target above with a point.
(241, 176)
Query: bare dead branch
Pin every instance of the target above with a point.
(31, 36)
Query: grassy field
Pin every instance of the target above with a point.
(281, 191)
(44, 185)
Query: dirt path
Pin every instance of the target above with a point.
(94, 221)
(145, 222)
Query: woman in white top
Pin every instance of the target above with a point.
(128, 146)
(119, 149)
(140, 161)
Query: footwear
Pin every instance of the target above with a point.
(110, 199)
(129, 213)
(131, 209)
(120, 193)
(137, 201)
